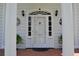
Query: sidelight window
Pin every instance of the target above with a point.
(29, 26)
(50, 26)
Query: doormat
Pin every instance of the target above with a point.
(40, 49)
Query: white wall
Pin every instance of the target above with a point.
(21, 29)
(76, 24)
(2, 13)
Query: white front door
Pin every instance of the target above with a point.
(38, 31)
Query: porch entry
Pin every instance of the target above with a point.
(40, 32)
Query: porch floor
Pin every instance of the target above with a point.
(30, 52)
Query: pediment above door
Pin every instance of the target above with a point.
(40, 12)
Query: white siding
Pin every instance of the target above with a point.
(76, 24)
(21, 29)
(2, 11)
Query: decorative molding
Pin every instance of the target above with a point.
(40, 12)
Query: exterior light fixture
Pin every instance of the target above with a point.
(60, 21)
(56, 12)
(23, 13)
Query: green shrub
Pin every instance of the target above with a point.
(19, 39)
(60, 39)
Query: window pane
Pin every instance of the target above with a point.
(50, 18)
(49, 23)
(50, 28)
(50, 34)
(29, 28)
(29, 18)
(29, 23)
(29, 33)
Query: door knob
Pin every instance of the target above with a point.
(39, 22)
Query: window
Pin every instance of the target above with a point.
(29, 33)
(50, 33)
(29, 18)
(50, 18)
(50, 29)
(49, 23)
(50, 26)
(29, 23)
(29, 26)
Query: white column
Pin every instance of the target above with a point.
(10, 29)
(67, 29)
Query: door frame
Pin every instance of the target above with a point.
(51, 40)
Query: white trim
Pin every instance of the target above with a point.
(10, 29)
(67, 29)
